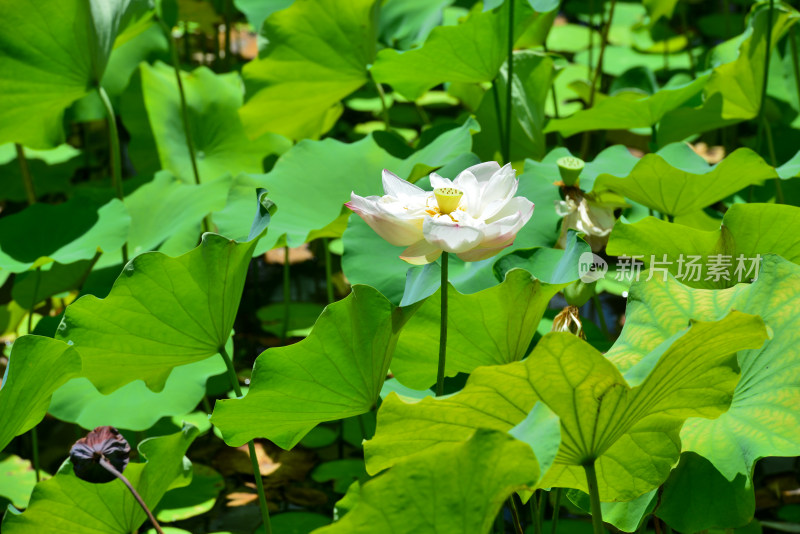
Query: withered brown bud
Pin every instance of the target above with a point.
(568, 320)
(102, 442)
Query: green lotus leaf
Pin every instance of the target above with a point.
(58, 61)
(66, 503)
(213, 100)
(626, 516)
(17, 480)
(763, 418)
(162, 312)
(406, 24)
(180, 206)
(51, 171)
(258, 11)
(459, 487)
(629, 425)
(36, 368)
(733, 92)
(719, 258)
(195, 499)
(32, 287)
(335, 372)
(318, 54)
(134, 406)
(68, 232)
(492, 327)
(676, 191)
(470, 52)
(628, 109)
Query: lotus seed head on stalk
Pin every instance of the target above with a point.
(102, 442)
(570, 169)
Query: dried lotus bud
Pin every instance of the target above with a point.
(102, 442)
(568, 320)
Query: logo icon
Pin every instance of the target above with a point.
(591, 267)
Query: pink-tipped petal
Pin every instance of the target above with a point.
(421, 253)
(398, 231)
(479, 254)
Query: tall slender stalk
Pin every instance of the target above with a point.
(328, 274)
(500, 130)
(187, 132)
(27, 179)
(442, 329)
(35, 451)
(533, 502)
(262, 498)
(765, 81)
(509, 81)
(116, 154)
(228, 15)
(594, 497)
(556, 509)
(113, 470)
(795, 63)
(515, 515)
(598, 307)
(598, 72)
(287, 294)
(384, 108)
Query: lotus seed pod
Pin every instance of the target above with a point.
(102, 442)
(570, 169)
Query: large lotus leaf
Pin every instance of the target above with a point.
(313, 180)
(134, 406)
(470, 52)
(720, 258)
(179, 205)
(17, 479)
(51, 171)
(213, 100)
(675, 191)
(458, 488)
(629, 424)
(257, 11)
(406, 24)
(32, 287)
(492, 327)
(616, 160)
(628, 109)
(72, 231)
(368, 259)
(336, 372)
(763, 418)
(626, 516)
(733, 92)
(318, 54)
(140, 41)
(712, 502)
(534, 73)
(37, 367)
(162, 312)
(66, 503)
(51, 53)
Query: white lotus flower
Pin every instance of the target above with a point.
(474, 216)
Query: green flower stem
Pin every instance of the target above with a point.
(795, 62)
(499, 115)
(442, 330)
(533, 502)
(262, 498)
(287, 294)
(113, 470)
(35, 292)
(598, 72)
(228, 17)
(328, 273)
(116, 154)
(35, 451)
(594, 497)
(27, 179)
(760, 117)
(543, 497)
(187, 132)
(515, 515)
(509, 81)
(384, 108)
(556, 509)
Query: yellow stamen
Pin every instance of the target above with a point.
(448, 199)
